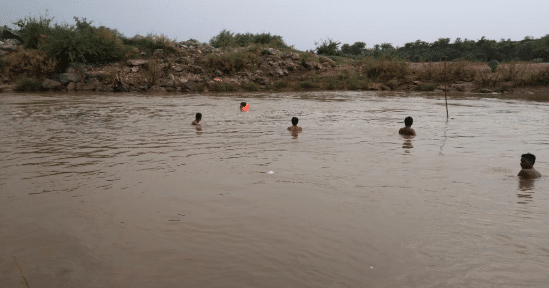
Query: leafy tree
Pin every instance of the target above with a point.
(328, 47)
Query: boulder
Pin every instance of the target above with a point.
(7, 88)
(276, 71)
(72, 75)
(71, 86)
(137, 62)
(134, 69)
(49, 84)
(196, 69)
(79, 86)
(9, 45)
(463, 86)
(485, 90)
(93, 85)
(177, 68)
(157, 88)
(7, 34)
(189, 85)
(261, 80)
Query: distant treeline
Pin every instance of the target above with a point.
(529, 49)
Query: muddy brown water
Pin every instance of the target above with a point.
(121, 191)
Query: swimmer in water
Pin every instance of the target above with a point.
(294, 128)
(408, 131)
(527, 163)
(198, 118)
(244, 107)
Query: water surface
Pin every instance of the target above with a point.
(121, 191)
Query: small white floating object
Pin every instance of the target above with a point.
(371, 267)
(271, 172)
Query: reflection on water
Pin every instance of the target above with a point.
(407, 144)
(120, 191)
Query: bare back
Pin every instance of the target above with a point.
(407, 131)
(529, 173)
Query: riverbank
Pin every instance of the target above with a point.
(190, 66)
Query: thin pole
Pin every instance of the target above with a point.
(446, 84)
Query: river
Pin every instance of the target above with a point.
(122, 191)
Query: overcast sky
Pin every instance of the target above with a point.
(302, 22)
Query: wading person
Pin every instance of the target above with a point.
(527, 163)
(198, 118)
(294, 129)
(244, 107)
(407, 130)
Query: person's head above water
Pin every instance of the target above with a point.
(294, 121)
(242, 105)
(408, 121)
(198, 116)
(527, 161)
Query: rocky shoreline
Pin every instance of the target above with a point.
(183, 69)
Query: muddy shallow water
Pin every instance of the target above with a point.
(121, 191)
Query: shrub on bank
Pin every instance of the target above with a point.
(230, 63)
(446, 72)
(31, 62)
(228, 39)
(69, 44)
(28, 84)
(4, 65)
(385, 70)
(224, 87)
(428, 87)
(251, 87)
(150, 43)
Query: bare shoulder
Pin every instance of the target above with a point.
(407, 131)
(529, 173)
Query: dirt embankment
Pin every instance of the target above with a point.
(194, 67)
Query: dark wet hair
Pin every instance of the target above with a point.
(408, 121)
(242, 104)
(529, 157)
(198, 116)
(294, 121)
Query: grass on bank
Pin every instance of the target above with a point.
(28, 84)
(83, 43)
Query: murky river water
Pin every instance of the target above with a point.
(121, 191)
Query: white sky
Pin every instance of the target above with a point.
(302, 22)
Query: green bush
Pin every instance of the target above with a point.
(278, 85)
(83, 43)
(428, 87)
(31, 62)
(34, 31)
(228, 39)
(150, 43)
(4, 65)
(493, 64)
(70, 44)
(230, 63)
(307, 85)
(384, 70)
(28, 84)
(328, 47)
(224, 87)
(251, 87)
